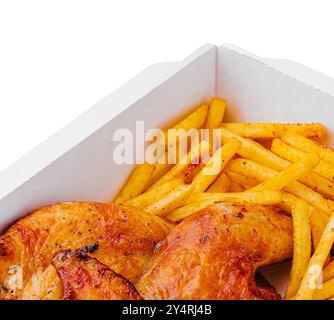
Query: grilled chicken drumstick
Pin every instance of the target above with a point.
(126, 238)
(85, 278)
(214, 254)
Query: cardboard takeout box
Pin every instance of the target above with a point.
(77, 162)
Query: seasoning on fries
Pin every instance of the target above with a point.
(274, 130)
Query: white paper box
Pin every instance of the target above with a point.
(77, 162)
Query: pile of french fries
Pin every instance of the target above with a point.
(295, 173)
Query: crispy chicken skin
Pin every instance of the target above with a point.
(85, 278)
(126, 238)
(214, 254)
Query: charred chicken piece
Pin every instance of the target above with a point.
(126, 238)
(214, 255)
(85, 278)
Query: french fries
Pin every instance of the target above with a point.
(293, 155)
(274, 130)
(288, 201)
(290, 174)
(154, 194)
(136, 183)
(216, 113)
(199, 201)
(260, 197)
(255, 170)
(328, 272)
(287, 170)
(319, 184)
(326, 292)
(252, 150)
(244, 181)
(221, 184)
(170, 201)
(194, 121)
(308, 145)
(318, 222)
(188, 210)
(302, 245)
(317, 261)
(160, 170)
(217, 163)
(236, 187)
(193, 154)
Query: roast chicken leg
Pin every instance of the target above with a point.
(125, 237)
(85, 278)
(214, 254)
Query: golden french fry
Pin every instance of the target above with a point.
(326, 292)
(319, 184)
(254, 151)
(301, 246)
(318, 224)
(236, 187)
(154, 194)
(216, 113)
(194, 121)
(187, 210)
(265, 198)
(215, 165)
(221, 184)
(314, 269)
(307, 145)
(252, 169)
(244, 181)
(160, 170)
(328, 272)
(292, 173)
(170, 201)
(199, 201)
(274, 130)
(288, 201)
(293, 155)
(312, 197)
(258, 171)
(193, 154)
(136, 183)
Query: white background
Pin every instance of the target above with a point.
(57, 58)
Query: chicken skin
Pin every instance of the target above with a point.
(125, 237)
(214, 254)
(85, 278)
